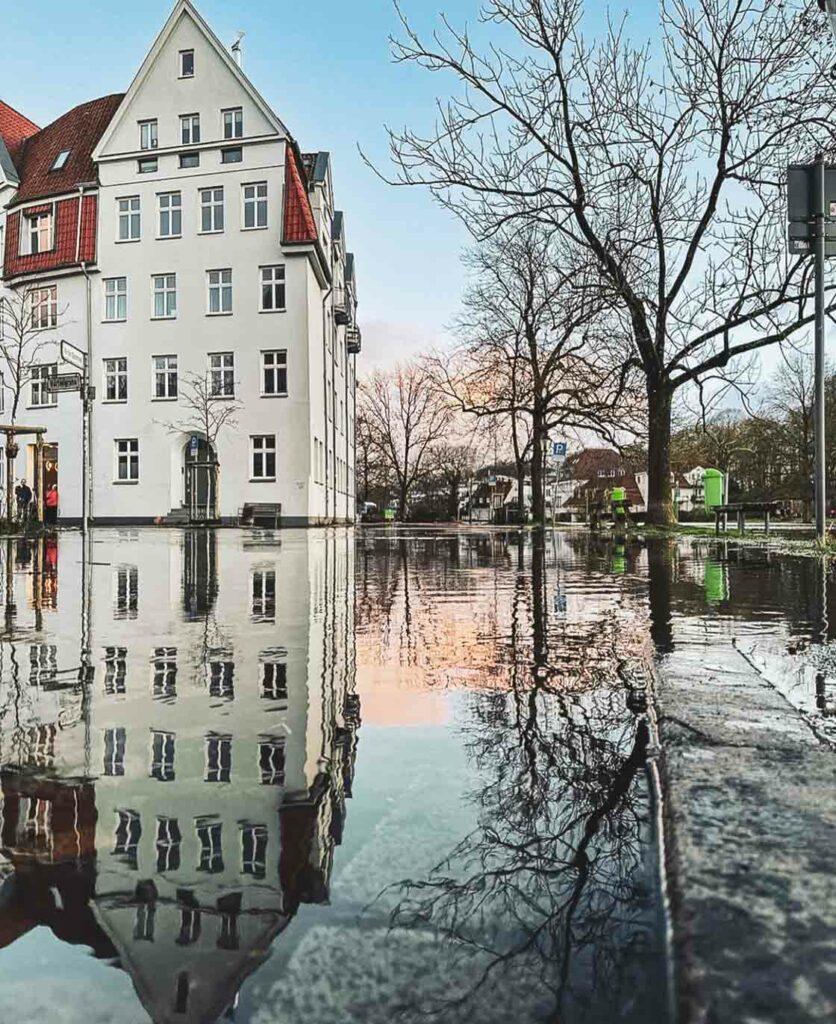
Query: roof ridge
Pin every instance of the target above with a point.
(23, 117)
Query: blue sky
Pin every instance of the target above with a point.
(327, 71)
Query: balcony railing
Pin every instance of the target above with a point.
(353, 339)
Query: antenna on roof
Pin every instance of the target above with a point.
(237, 53)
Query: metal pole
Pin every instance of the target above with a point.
(85, 449)
(819, 214)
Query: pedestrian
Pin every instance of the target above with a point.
(51, 504)
(24, 500)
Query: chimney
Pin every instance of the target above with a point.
(237, 52)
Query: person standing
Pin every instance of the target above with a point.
(23, 501)
(51, 504)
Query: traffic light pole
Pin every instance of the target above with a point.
(819, 423)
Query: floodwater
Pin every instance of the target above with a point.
(354, 776)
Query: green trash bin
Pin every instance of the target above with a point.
(618, 494)
(713, 481)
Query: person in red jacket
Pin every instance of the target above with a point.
(51, 504)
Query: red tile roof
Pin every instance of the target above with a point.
(14, 127)
(299, 225)
(70, 249)
(77, 131)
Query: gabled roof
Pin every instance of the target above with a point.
(77, 131)
(181, 8)
(14, 127)
(298, 225)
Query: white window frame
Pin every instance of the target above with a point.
(129, 215)
(60, 162)
(222, 374)
(115, 370)
(126, 453)
(260, 448)
(271, 365)
(115, 293)
(273, 277)
(39, 398)
(43, 307)
(181, 72)
(189, 129)
(169, 215)
(255, 195)
(226, 155)
(39, 235)
(148, 134)
(212, 202)
(219, 292)
(232, 123)
(164, 286)
(164, 370)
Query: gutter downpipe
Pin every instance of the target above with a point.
(325, 299)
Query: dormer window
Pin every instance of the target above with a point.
(36, 235)
(148, 134)
(233, 123)
(187, 63)
(60, 161)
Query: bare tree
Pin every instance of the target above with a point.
(534, 348)
(26, 321)
(206, 414)
(406, 416)
(662, 163)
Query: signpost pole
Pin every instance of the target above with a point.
(819, 227)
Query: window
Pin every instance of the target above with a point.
(60, 162)
(273, 683)
(219, 285)
(165, 296)
(129, 219)
(271, 761)
(43, 305)
(127, 836)
(274, 373)
(114, 751)
(171, 214)
(116, 379)
(168, 845)
(162, 756)
(211, 209)
(43, 664)
(255, 205)
(272, 289)
(232, 156)
(127, 460)
(189, 129)
(233, 123)
(39, 395)
(164, 678)
(222, 369)
(218, 758)
(254, 850)
(189, 160)
(126, 592)
(222, 679)
(264, 595)
(148, 134)
(189, 929)
(116, 298)
(209, 837)
(263, 457)
(116, 666)
(148, 165)
(36, 235)
(186, 63)
(165, 376)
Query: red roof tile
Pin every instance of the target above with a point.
(299, 223)
(14, 127)
(69, 249)
(77, 131)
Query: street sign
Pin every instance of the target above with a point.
(804, 203)
(72, 354)
(558, 449)
(62, 382)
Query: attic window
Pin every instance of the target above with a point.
(60, 161)
(187, 63)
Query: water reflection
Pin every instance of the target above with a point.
(173, 806)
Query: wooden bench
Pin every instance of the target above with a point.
(741, 509)
(260, 512)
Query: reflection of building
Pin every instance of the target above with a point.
(197, 795)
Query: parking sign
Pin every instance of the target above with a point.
(558, 449)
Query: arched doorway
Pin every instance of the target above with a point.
(200, 479)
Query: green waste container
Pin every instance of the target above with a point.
(713, 486)
(716, 585)
(618, 494)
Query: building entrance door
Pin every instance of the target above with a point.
(200, 480)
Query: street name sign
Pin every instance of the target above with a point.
(805, 202)
(62, 382)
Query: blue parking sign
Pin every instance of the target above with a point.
(558, 449)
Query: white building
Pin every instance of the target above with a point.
(179, 237)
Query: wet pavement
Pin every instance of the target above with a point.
(410, 774)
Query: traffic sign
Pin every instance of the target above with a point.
(62, 382)
(558, 449)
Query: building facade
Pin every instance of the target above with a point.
(178, 237)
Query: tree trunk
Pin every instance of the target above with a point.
(453, 497)
(403, 491)
(660, 511)
(520, 464)
(538, 494)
